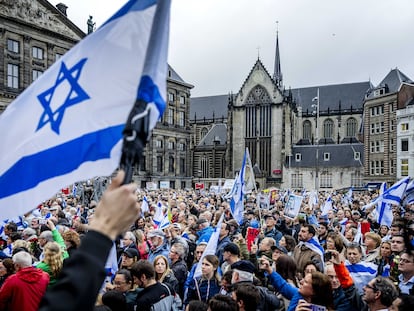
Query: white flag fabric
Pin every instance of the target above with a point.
(237, 199)
(211, 247)
(144, 205)
(383, 210)
(249, 175)
(395, 193)
(159, 214)
(327, 206)
(67, 126)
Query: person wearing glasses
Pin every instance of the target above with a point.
(406, 278)
(378, 294)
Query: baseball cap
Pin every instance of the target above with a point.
(201, 221)
(131, 253)
(243, 265)
(156, 233)
(280, 248)
(269, 216)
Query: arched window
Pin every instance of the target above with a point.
(204, 132)
(328, 127)
(307, 130)
(351, 127)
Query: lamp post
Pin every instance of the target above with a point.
(316, 112)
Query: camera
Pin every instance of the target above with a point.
(327, 256)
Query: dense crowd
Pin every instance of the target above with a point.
(340, 260)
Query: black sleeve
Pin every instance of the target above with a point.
(81, 277)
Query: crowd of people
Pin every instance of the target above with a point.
(341, 260)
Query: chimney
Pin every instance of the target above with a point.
(62, 8)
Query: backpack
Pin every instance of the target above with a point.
(168, 303)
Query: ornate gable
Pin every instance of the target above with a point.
(42, 14)
(258, 87)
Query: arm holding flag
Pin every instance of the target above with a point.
(83, 273)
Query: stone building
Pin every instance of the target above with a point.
(296, 138)
(33, 34)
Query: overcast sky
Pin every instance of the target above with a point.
(215, 43)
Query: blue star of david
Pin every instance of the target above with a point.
(75, 96)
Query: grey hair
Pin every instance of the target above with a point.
(244, 276)
(47, 235)
(29, 231)
(388, 291)
(23, 259)
(130, 236)
(180, 249)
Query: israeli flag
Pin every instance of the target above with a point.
(362, 273)
(67, 126)
(165, 222)
(409, 193)
(144, 205)
(327, 206)
(396, 192)
(237, 199)
(159, 214)
(211, 247)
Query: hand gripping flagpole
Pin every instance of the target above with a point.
(150, 103)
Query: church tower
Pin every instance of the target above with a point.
(277, 73)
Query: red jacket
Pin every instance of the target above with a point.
(24, 290)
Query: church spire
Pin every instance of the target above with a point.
(277, 75)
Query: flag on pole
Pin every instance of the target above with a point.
(159, 214)
(409, 193)
(237, 199)
(395, 193)
(67, 126)
(327, 206)
(384, 210)
(144, 205)
(250, 184)
(211, 247)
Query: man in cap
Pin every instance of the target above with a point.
(278, 250)
(243, 273)
(204, 231)
(159, 245)
(271, 231)
(129, 257)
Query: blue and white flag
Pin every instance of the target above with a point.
(395, 193)
(165, 222)
(314, 245)
(211, 247)
(237, 199)
(144, 205)
(159, 214)
(347, 198)
(67, 126)
(362, 273)
(409, 193)
(383, 210)
(74, 190)
(327, 206)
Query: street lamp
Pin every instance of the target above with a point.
(316, 113)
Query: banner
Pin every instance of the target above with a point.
(292, 206)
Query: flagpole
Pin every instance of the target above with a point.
(254, 182)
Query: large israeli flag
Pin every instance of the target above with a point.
(67, 126)
(237, 199)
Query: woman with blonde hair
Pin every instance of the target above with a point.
(52, 262)
(163, 273)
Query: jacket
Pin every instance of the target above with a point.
(204, 234)
(163, 249)
(302, 254)
(81, 277)
(46, 268)
(180, 272)
(220, 246)
(207, 289)
(268, 300)
(24, 290)
(287, 290)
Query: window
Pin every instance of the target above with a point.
(182, 100)
(392, 125)
(181, 118)
(36, 74)
(351, 127)
(404, 127)
(181, 147)
(13, 46)
(357, 179)
(170, 117)
(326, 156)
(171, 164)
(376, 167)
(298, 157)
(404, 145)
(159, 164)
(37, 52)
(328, 128)
(307, 130)
(170, 145)
(171, 97)
(13, 76)
(158, 143)
(404, 167)
(182, 166)
(142, 164)
(357, 155)
(204, 131)
(377, 146)
(376, 111)
(326, 180)
(297, 181)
